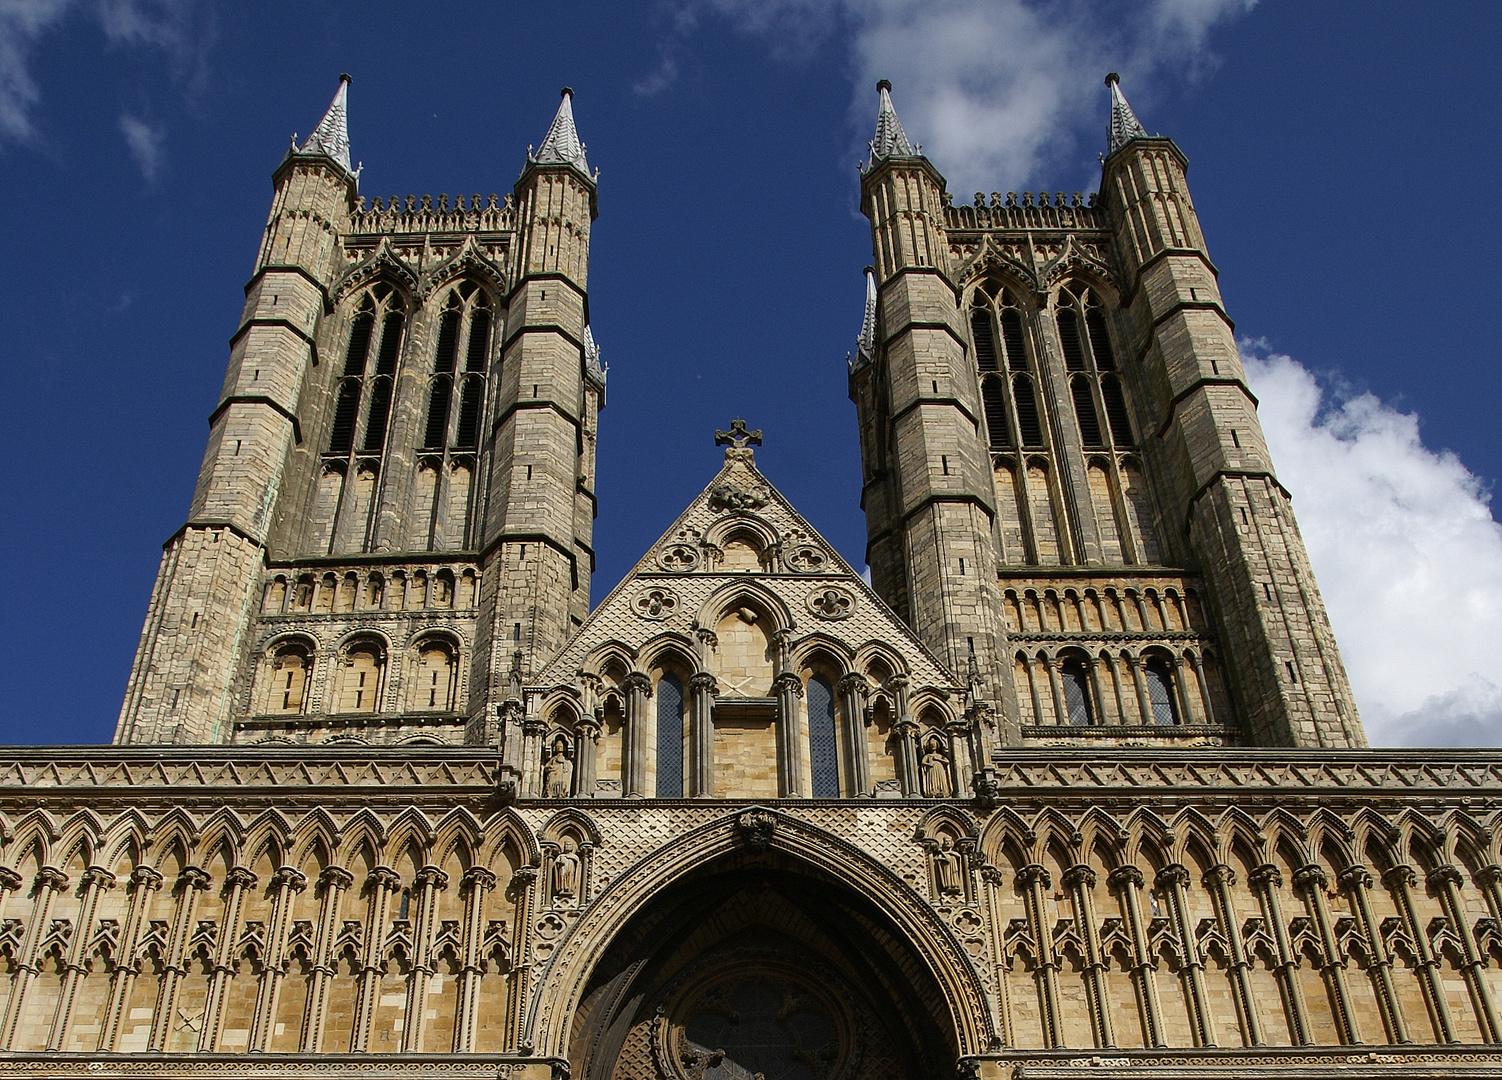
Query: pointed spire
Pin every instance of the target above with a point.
(1124, 123)
(865, 345)
(331, 136)
(891, 140)
(561, 145)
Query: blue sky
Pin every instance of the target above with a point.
(1344, 162)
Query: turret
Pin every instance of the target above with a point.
(929, 495)
(182, 682)
(1213, 475)
(537, 538)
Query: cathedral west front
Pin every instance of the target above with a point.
(1075, 787)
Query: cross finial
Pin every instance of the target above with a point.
(738, 436)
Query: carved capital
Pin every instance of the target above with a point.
(144, 877)
(1309, 878)
(194, 877)
(240, 877)
(10, 881)
(524, 877)
(854, 682)
(477, 877)
(1172, 874)
(1220, 876)
(291, 878)
(1354, 877)
(704, 682)
(1078, 876)
(788, 682)
(383, 877)
(638, 681)
(431, 875)
(1034, 873)
(1266, 876)
(1489, 875)
(336, 877)
(50, 877)
(756, 828)
(99, 877)
(588, 727)
(1124, 875)
(1444, 875)
(1399, 875)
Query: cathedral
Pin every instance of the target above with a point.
(1075, 786)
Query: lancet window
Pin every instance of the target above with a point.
(1085, 341)
(1161, 693)
(669, 737)
(463, 332)
(823, 759)
(367, 380)
(361, 676)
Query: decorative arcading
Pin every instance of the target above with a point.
(1011, 211)
(419, 215)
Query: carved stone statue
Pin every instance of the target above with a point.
(568, 870)
(947, 868)
(937, 783)
(558, 773)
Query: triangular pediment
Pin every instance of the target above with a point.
(738, 543)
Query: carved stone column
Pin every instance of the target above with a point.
(1218, 881)
(1127, 881)
(534, 731)
(144, 882)
(1356, 881)
(519, 991)
(334, 881)
(992, 881)
(1445, 882)
(791, 736)
(477, 882)
(1093, 669)
(1204, 685)
(1265, 880)
(1079, 880)
(1188, 714)
(286, 883)
(190, 883)
(1400, 879)
(1122, 716)
(1032, 688)
(235, 883)
(638, 687)
(853, 689)
(1033, 879)
(908, 775)
(1310, 882)
(96, 881)
(1174, 881)
(1055, 668)
(49, 882)
(702, 689)
(429, 882)
(382, 883)
(586, 756)
(962, 775)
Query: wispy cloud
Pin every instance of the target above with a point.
(183, 30)
(1408, 556)
(145, 143)
(996, 90)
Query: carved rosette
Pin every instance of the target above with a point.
(679, 558)
(656, 602)
(807, 559)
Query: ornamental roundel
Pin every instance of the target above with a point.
(807, 559)
(655, 602)
(832, 602)
(679, 558)
(757, 1017)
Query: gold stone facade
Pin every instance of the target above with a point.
(1075, 788)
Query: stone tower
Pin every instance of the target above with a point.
(393, 518)
(1064, 472)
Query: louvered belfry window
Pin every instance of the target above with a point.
(377, 327)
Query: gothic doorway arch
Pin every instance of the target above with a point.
(774, 951)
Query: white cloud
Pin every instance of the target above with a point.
(1408, 556)
(996, 90)
(145, 143)
(182, 29)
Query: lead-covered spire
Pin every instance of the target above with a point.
(331, 136)
(1124, 123)
(891, 140)
(561, 145)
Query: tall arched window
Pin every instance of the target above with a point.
(290, 666)
(824, 769)
(993, 397)
(463, 330)
(1029, 423)
(376, 327)
(1088, 354)
(1077, 698)
(1160, 691)
(435, 676)
(360, 681)
(669, 737)
(1011, 355)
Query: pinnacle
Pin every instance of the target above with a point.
(331, 136)
(891, 140)
(1124, 123)
(865, 345)
(561, 145)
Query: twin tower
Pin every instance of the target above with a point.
(1068, 496)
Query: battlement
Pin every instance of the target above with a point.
(1027, 211)
(419, 214)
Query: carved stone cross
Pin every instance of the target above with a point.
(738, 436)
